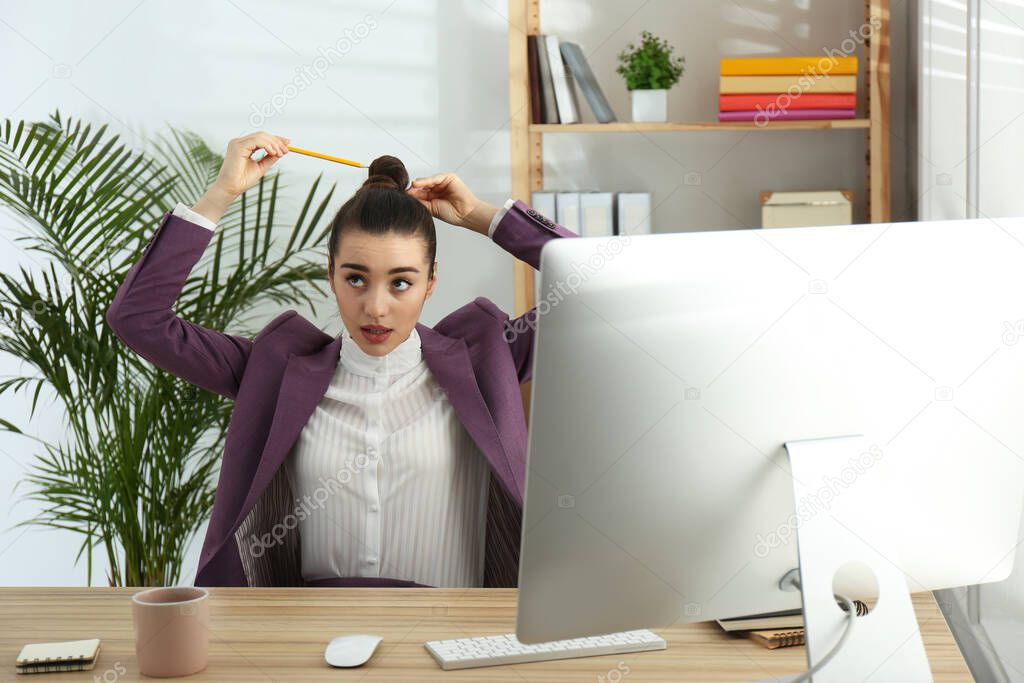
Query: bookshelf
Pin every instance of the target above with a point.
(627, 127)
(527, 138)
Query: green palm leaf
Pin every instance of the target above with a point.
(136, 471)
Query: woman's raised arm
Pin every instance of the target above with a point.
(142, 311)
(521, 231)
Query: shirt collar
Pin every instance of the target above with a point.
(402, 358)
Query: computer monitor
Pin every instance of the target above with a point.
(671, 369)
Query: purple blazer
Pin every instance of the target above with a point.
(279, 376)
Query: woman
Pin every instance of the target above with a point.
(394, 451)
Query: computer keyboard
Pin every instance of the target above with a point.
(467, 653)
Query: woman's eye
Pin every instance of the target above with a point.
(357, 281)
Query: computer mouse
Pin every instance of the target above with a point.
(353, 650)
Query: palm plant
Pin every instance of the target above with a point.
(136, 471)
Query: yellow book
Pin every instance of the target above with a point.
(731, 85)
(784, 66)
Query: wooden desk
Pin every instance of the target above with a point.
(279, 634)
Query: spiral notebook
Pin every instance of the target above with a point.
(776, 639)
(70, 655)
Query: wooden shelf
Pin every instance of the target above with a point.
(527, 139)
(684, 126)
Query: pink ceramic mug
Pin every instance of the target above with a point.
(171, 627)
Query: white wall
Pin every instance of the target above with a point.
(429, 85)
(941, 162)
(942, 153)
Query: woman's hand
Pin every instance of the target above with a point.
(449, 199)
(239, 172)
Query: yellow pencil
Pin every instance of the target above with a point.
(328, 157)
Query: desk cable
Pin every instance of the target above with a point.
(853, 609)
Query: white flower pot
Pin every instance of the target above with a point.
(650, 105)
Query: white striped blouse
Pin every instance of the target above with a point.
(396, 485)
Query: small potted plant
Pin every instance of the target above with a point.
(650, 70)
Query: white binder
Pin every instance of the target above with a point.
(597, 217)
(634, 214)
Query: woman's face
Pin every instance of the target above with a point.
(381, 281)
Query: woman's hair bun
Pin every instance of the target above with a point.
(387, 172)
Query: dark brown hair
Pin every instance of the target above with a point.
(381, 206)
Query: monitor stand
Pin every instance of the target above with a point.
(885, 644)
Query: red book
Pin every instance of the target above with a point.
(777, 101)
